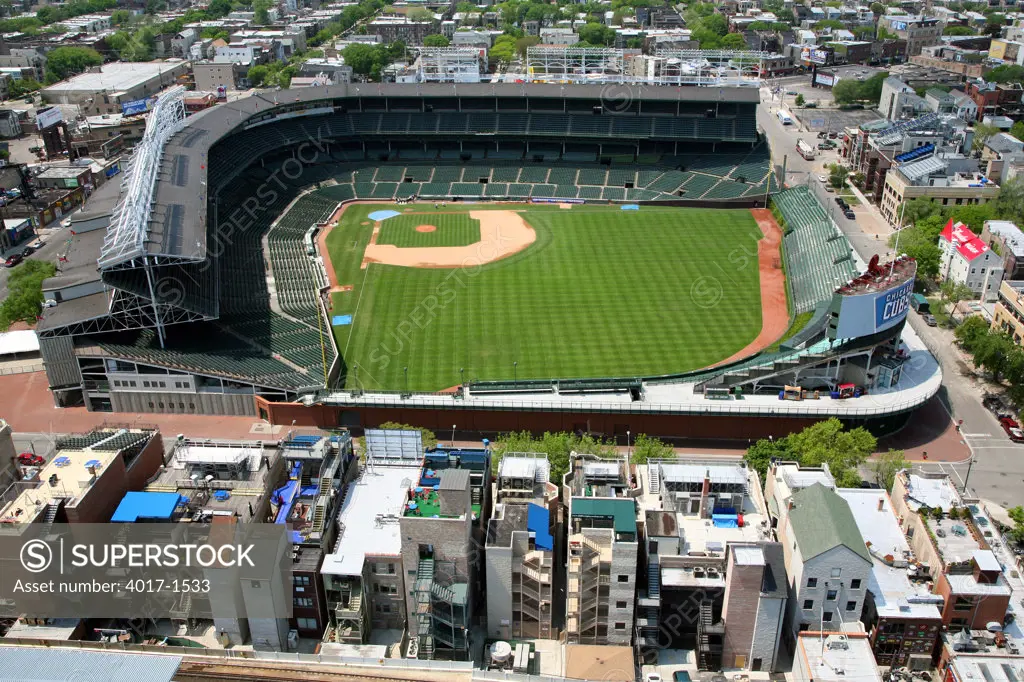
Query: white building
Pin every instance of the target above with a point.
(834, 658)
(968, 260)
(827, 561)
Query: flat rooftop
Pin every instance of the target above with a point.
(219, 478)
(927, 491)
(835, 657)
(369, 518)
(72, 472)
(524, 466)
(500, 529)
(51, 665)
(113, 77)
(954, 539)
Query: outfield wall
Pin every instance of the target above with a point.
(490, 423)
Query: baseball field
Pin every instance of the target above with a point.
(424, 298)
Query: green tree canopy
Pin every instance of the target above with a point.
(825, 442)
(436, 40)
(596, 34)
(25, 293)
(1007, 73)
(1016, 533)
(958, 31)
(886, 466)
(734, 41)
(646, 448)
(63, 62)
(556, 446)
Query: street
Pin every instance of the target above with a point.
(53, 245)
(997, 469)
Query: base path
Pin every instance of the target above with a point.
(502, 233)
(774, 311)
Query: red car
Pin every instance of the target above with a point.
(13, 260)
(29, 460)
(1012, 429)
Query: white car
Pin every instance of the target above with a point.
(652, 677)
(37, 244)
(822, 179)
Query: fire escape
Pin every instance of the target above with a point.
(709, 638)
(442, 611)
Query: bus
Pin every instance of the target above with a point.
(805, 150)
(785, 118)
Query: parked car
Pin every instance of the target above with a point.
(810, 105)
(822, 178)
(828, 188)
(29, 459)
(652, 677)
(822, 135)
(840, 201)
(833, 136)
(993, 402)
(37, 244)
(1012, 429)
(27, 251)
(929, 319)
(13, 260)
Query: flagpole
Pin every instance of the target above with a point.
(896, 246)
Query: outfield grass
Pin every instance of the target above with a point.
(453, 229)
(602, 292)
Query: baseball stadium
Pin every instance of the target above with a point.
(493, 256)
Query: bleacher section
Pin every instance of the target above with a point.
(818, 257)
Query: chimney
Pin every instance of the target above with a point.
(704, 490)
(881, 504)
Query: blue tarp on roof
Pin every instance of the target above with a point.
(143, 506)
(914, 154)
(725, 520)
(538, 520)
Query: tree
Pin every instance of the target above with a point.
(843, 451)
(886, 466)
(957, 31)
(419, 14)
(20, 88)
(63, 62)
(596, 34)
(24, 299)
(830, 24)
(982, 131)
(261, 12)
(825, 442)
(799, 101)
(436, 40)
(525, 43)
(646, 448)
(1016, 533)
(557, 446)
(1008, 73)
(837, 176)
(1009, 204)
(993, 353)
(970, 332)
(503, 50)
(877, 9)
(1017, 130)
(734, 41)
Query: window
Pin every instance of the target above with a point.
(826, 617)
(145, 384)
(812, 582)
(808, 604)
(836, 572)
(306, 623)
(620, 604)
(855, 584)
(804, 627)
(623, 578)
(255, 584)
(304, 601)
(963, 604)
(300, 580)
(851, 606)
(620, 626)
(831, 595)
(382, 608)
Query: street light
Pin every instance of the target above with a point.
(515, 372)
(453, 435)
(628, 451)
(462, 376)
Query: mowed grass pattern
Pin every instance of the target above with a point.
(453, 229)
(601, 292)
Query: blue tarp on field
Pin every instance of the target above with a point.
(341, 320)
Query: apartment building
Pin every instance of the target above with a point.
(903, 618)
(950, 180)
(834, 657)
(919, 32)
(603, 550)
(966, 259)
(827, 561)
(784, 479)
(520, 554)
(1007, 240)
(85, 479)
(709, 553)
(8, 456)
(1009, 311)
(226, 482)
(442, 529)
(952, 552)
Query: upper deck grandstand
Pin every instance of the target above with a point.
(209, 291)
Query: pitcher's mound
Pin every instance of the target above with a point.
(426, 228)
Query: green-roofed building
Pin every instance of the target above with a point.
(827, 560)
(603, 552)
